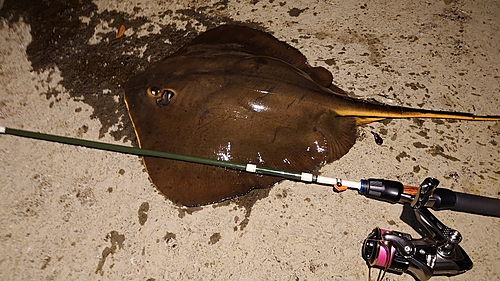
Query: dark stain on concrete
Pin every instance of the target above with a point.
(330, 62)
(423, 134)
(418, 123)
(415, 86)
(295, 12)
(438, 150)
(416, 169)
(402, 155)
(46, 262)
(419, 145)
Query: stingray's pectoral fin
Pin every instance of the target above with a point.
(339, 132)
(365, 120)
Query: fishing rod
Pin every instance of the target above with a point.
(436, 253)
(379, 189)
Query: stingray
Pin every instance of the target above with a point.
(238, 94)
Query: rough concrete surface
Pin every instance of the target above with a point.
(71, 213)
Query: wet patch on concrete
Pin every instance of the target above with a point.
(247, 203)
(214, 238)
(374, 45)
(315, 266)
(64, 37)
(402, 155)
(116, 241)
(187, 210)
(143, 213)
(170, 241)
(85, 196)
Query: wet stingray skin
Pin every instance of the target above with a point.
(238, 94)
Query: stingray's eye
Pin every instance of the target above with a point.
(154, 91)
(169, 94)
(164, 97)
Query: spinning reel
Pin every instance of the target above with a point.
(436, 253)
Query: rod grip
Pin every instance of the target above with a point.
(461, 202)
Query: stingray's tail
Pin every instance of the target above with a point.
(368, 112)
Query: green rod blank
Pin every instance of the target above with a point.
(152, 153)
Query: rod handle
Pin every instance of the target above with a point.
(468, 203)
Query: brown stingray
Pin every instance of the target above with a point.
(238, 94)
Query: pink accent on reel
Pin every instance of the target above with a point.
(384, 258)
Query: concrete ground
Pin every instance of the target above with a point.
(71, 213)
